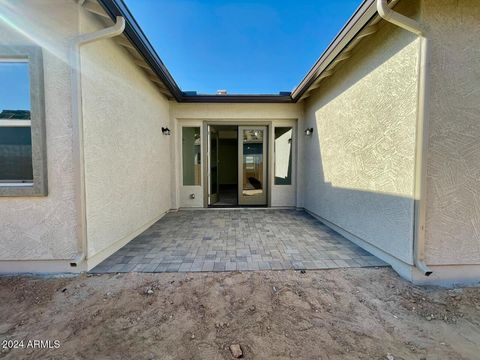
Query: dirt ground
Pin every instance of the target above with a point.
(328, 314)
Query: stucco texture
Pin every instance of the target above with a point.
(127, 158)
(359, 163)
(453, 172)
(44, 228)
(218, 111)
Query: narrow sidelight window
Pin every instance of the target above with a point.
(191, 154)
(283, 155)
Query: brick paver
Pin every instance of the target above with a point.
(229, 240)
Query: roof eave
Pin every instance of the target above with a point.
(364, 13)
(233, 98)
(135, 34)
(362, 16)
(138, 39)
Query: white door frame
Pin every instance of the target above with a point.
(236, 122)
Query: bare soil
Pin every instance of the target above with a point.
(328, 314)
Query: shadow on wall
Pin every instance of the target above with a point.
(382, 220)
(388, 45)
(360, 160)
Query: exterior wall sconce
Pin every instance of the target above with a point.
(308, 131)
(165, 131)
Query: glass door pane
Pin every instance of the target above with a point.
(252, 165)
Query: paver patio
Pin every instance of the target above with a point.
(244, 239)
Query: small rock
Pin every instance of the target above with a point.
(429, 318)
(64, 289)
(236, 351)
(390, 357)
(252, 308)
(149, 291)
(192, 337)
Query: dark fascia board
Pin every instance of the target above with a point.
(237, 98)
(364, 13)
(135, 34)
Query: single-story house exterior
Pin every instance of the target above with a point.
(380, 140)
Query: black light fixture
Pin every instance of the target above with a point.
(308, 131)
(165, 131)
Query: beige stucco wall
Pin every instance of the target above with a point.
(44, 228)
(219, 111)
(453, 157)
(127, 159)
(359, 163)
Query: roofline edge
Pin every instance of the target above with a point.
(364, 13)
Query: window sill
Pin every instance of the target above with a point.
(21, 189)
(19, 184)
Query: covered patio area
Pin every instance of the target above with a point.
(243, 239)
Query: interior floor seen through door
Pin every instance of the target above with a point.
(237, 165)
(223, 165)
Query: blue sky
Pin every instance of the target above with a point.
(258, 47)
(15, 86)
